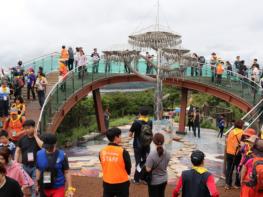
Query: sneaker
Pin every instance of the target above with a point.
(236, 187)
(227, 187)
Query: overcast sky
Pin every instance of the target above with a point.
(31, 28)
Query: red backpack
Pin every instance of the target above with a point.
(256, 180)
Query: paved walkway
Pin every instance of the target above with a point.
(84, 160)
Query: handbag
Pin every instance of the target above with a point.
(144, 174)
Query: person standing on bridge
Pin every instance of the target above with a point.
(233, 154)
(70, 59)
(31, 80)
(82, 62)
(96, 60)
(116, 166)
(219, 71)
(28, 147)
(41, 85)
(64, 54)
(63, 70)
(213, 62)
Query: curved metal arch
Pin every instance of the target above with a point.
(75, 98)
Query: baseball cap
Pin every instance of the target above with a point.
(49, 140)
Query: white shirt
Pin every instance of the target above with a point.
(82, 60)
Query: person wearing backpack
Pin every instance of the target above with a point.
(14, 126)
(233, 155)
(256, 176)
(156, 163)
(221, 125)
(52, 172)
(116, 166)
(246, 166)
(196, 182)
(141, 129)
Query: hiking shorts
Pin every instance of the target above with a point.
(4, 107)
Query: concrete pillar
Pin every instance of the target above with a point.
(99, 110)
(183, 106)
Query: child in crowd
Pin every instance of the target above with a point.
(4, 142)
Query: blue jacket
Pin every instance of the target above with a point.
(42, 164)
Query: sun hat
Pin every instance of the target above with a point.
(252, 139)
(250, 132)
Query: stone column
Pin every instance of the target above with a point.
(99, 110)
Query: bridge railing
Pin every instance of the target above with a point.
(253, 119)
(231, 82)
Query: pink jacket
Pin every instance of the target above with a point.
(16, 171)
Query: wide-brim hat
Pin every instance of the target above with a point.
(250, 132)
(252, 139)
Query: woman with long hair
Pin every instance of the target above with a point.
(157, 163)
(82, 62)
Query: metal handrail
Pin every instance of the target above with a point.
(40, 57)
(52, 91)
(246, 115)
(235, 75)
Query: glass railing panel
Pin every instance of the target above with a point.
(233, 83)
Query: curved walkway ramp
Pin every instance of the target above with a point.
(49, 63)
(235, 89)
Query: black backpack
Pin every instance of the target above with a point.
(146, 134)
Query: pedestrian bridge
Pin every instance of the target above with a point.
(235, 89)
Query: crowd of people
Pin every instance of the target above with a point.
(219, 66)
(32, 166)
(150, 164)
(244, 153)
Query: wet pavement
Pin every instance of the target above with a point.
(84, 159)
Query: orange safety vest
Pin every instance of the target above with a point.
(113, 166)
(219, 69)
(233, 141)
(64, 54)
(14, 127)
